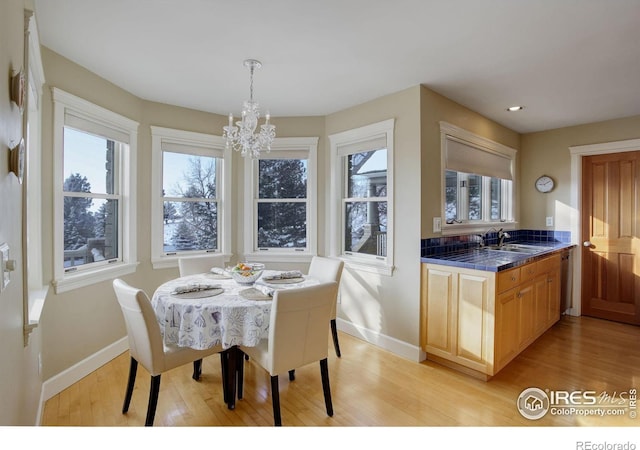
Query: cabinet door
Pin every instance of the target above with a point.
(472, 306)
(553, 286)
(440, 304)
(506, 326)
(526, 314)
(542, 307)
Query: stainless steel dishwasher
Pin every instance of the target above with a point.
(566, 277)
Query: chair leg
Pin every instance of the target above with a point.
(292, 375)
(153, 400)
(133, 369)
(240, 372)
(324, 372)
(334, 333)
(225, 372)
(275, 401)
(197, 369)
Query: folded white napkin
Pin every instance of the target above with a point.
(266, 290)
(218, 271)
(284, 275)
(194, 287)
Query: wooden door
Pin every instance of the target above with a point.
(610, 233)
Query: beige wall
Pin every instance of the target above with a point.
(433, 109)
(381, 306)
(547, 152)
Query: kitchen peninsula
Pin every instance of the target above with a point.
(483, 305)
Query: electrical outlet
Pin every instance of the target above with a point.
(437, 224)
(550, 221)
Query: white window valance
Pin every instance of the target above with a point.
(466, 152)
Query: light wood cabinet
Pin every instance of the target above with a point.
(478, 321)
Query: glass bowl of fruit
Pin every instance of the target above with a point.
(246, 273)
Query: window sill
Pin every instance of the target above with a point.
(368, 267)
(468, 228)
(79, 280)
(36, 303)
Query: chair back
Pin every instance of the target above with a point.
(191, 265)
(299, 326)
(143, 331)
(327, 269)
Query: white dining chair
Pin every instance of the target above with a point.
(298, 328)
(329, 269)
(146, 345)
(191, 265)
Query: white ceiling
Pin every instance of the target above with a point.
(568, 61)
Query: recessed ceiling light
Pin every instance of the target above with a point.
(515, 108)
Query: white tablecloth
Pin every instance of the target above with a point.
(227, 318)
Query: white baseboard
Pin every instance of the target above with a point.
(400, 348)
(63, 380)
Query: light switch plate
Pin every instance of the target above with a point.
(437, 224)
(550, 221)
(4, 257)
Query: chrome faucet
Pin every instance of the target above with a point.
(501, 236)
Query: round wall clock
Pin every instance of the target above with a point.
(545, 184)
(16, 160)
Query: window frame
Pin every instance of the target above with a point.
(507, 220)
(199, 144)
(282, 148)
(65, 104)
(342, 145)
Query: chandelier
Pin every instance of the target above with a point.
(243, 137)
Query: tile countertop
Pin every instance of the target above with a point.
(492, 260)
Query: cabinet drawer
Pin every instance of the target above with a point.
(508, 279)
(549, 264)
(528, 271)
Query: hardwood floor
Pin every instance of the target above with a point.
(372, 387)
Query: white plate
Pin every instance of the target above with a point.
(284, 280)
(254, 294)
(200, 294)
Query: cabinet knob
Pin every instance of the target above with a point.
(586, 244)
(513, 278)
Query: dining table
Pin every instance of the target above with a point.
(207, 309)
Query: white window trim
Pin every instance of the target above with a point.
(291, 147)
(63, 103)
(33, 280)
(508, 195)
(335, 237)
(209, 144)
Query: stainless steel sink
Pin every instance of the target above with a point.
(521, 248)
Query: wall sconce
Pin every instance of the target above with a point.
(18, 90)
(16, 160)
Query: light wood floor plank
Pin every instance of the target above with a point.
(371, 387)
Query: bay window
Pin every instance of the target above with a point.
(280, 202)
(361, 230)
(190, 202)
(94, 217)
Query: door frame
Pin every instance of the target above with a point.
(577, 152)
